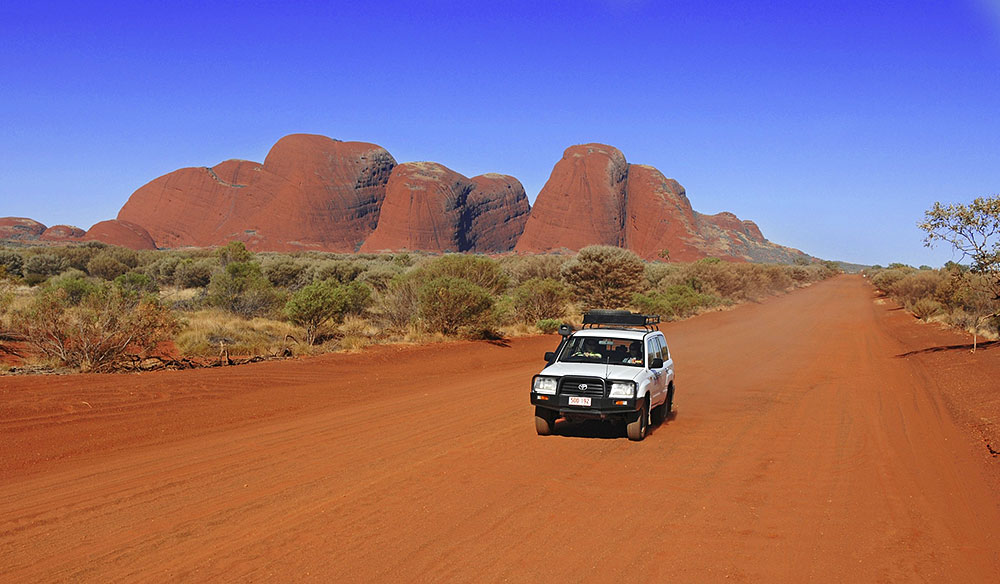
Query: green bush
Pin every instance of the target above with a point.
(43, 266)
(450, 305)
(548, 325)
(242, 289)
(75, 284)
(233, 252)
(286, 273)
(106, 266)
(136, 284)
(602, 276)
(521, 268)
(479, 270)
(314, 305)
(12, 262)
(676, 301)
(191, 273)
(537, 299)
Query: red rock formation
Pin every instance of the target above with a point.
(62, 233)
(497, 209)
(583, 202)
(430, 207)
(594, 197)
(20, 228)
(312, 192)
(121, 233)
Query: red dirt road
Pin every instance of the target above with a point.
(807, 447)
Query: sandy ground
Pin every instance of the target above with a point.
(818, 437)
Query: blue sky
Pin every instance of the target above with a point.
(833, 125)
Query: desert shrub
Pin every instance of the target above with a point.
(885, 279)
(380, 275)
(164, 269)
(43, 265)
(537, 299)
(12, 262)
(99, 333)
(286, 273)
(548, 325)
(397, 305)
(242, 289)
(339, 270)
(916, 286)
(191, 273)
(450, 305)
(75, 284)
(320, 302)
(676, 301)
(602, 276)
(522, 268)
(106, 266)
(479, 270)
(233, 252)
(925, 308)
(657, 271)
(136, 284)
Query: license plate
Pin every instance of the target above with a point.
(575, 400)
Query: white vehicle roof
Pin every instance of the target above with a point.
(614, 333)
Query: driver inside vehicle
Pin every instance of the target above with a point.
(590, 349)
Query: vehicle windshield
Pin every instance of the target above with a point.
(606, 350)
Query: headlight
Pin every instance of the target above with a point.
(546, 385)
(622, 389)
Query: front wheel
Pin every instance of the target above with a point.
(545, 421)
(636, 429)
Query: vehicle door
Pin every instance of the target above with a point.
(668, 363)
(657, 386)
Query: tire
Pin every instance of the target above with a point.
(545, 421)
(668, 406)
(659, 414)
(637, 428)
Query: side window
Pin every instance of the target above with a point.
(652, 350)
(665, 352)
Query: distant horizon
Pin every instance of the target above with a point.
(832, 128)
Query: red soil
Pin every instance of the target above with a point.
(819, 437)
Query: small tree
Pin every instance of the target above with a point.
(602, 276)
(233, 252)
(973, 230)
(320, 302)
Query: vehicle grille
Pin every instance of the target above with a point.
(571, 386)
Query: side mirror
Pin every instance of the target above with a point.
(550, 355)
(656, 363)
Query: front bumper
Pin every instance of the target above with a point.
(600, 407)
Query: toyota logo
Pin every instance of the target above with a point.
(583, 387)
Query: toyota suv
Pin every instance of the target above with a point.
(617, 367)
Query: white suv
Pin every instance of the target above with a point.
(617, 367)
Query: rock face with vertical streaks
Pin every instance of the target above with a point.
(595, 197)
(430, 207)
(311, 192)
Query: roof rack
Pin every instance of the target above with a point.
(620, 319)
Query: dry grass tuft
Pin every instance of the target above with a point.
(203, 332)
